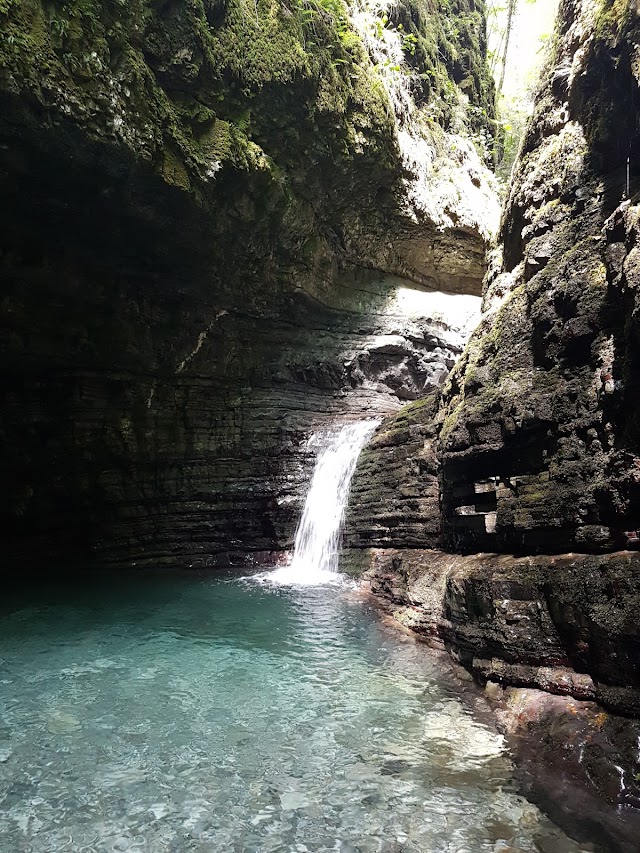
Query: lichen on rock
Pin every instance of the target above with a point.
(537, 403)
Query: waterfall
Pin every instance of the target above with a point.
(317, 542)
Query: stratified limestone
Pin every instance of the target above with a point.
(190, 192)
(188, 454)
(540, 436)
(566, 623)
(394, 495)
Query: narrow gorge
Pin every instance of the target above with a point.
(230, 230)
(500, 518)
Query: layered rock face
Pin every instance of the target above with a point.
(565, 624)
(192, 193)
(394, 499)
(540, 442)
(535, 445)
(541, 632)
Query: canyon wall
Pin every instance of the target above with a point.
(540, 440)
(204, 206)
(519, 489)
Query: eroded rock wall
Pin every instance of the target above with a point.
(536, 445)
(190, 194)
(539, 440)
(191, 447)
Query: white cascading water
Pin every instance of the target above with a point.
(317, 543)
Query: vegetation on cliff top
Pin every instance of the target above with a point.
(194, 86)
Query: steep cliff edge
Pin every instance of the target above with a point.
(535, 443)
(540, 448)
(191, 192)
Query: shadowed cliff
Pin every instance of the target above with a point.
(191, 192)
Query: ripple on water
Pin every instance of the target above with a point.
(181, 714)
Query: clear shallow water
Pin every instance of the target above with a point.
(192, 714)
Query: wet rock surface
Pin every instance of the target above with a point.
(578, 763)
(565, 623)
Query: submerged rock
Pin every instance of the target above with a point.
(63, 723)
(294, 800)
